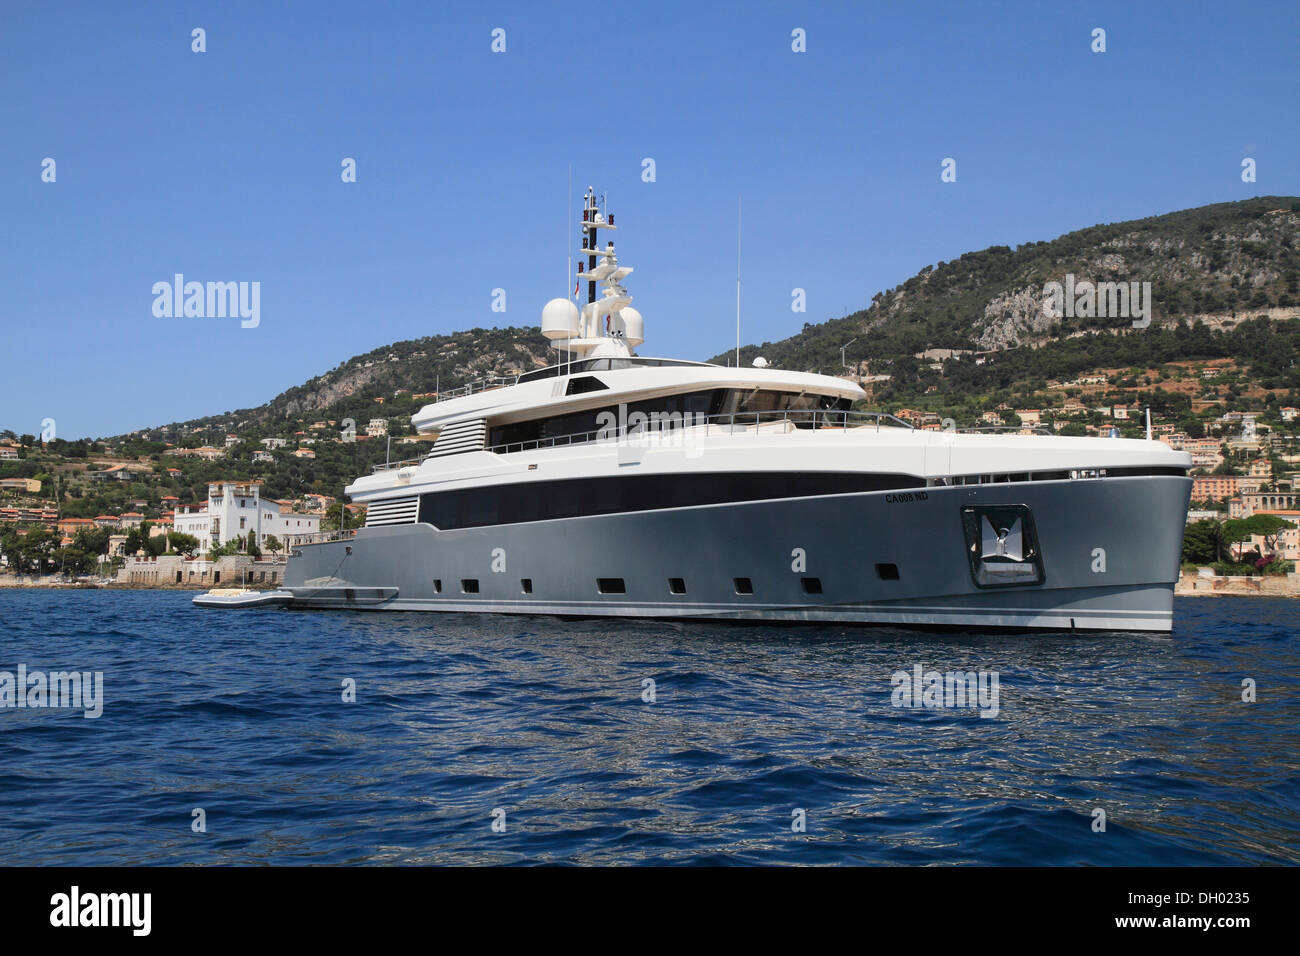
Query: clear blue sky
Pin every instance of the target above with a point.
(225, 165)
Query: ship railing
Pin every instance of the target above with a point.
(1005, 429)
(732, 423)
(478, 385)
(292, 541)
(391, 465)
(728, 424)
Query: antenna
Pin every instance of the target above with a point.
(737, 281)
(1148, 423)
(568, 274)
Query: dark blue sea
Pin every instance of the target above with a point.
(540, 726)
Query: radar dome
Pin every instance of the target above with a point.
(633, 326)
(760, 362)
(560, 319)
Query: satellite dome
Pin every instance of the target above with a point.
(633, 326)
(760, 362)
(560, 319)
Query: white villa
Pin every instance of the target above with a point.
(234, 509)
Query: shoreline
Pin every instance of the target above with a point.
(122, 586)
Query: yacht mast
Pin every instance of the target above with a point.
(581, 328)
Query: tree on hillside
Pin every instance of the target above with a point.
(1203, 542)
(183, 543)
(29, 553)
(219, 550)
(72, 560)
(138, 539)
(92, 540)
(1268, 527)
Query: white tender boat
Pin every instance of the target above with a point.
(243, 598)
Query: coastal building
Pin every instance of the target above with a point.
(179, 570)
(1262, 502)
(1205, 452)
(114, 473)
(939, 355)
(27, 485)
(1215, 487)
(45, 516)
(315, 502)
(1287, 544)
(237, 509)
(271, 443)
(71, 526)
(107, 521)
(304, 453)
(263, 456)
(915, 417)
(1289, 413)
(377, 427)
(206, 452)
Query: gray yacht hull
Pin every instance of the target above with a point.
(1105, 556)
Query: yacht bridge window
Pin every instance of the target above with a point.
(708, 402)
(604, 365)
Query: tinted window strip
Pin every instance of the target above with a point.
(584, 497)
(1140, 471)
(1137, 471)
